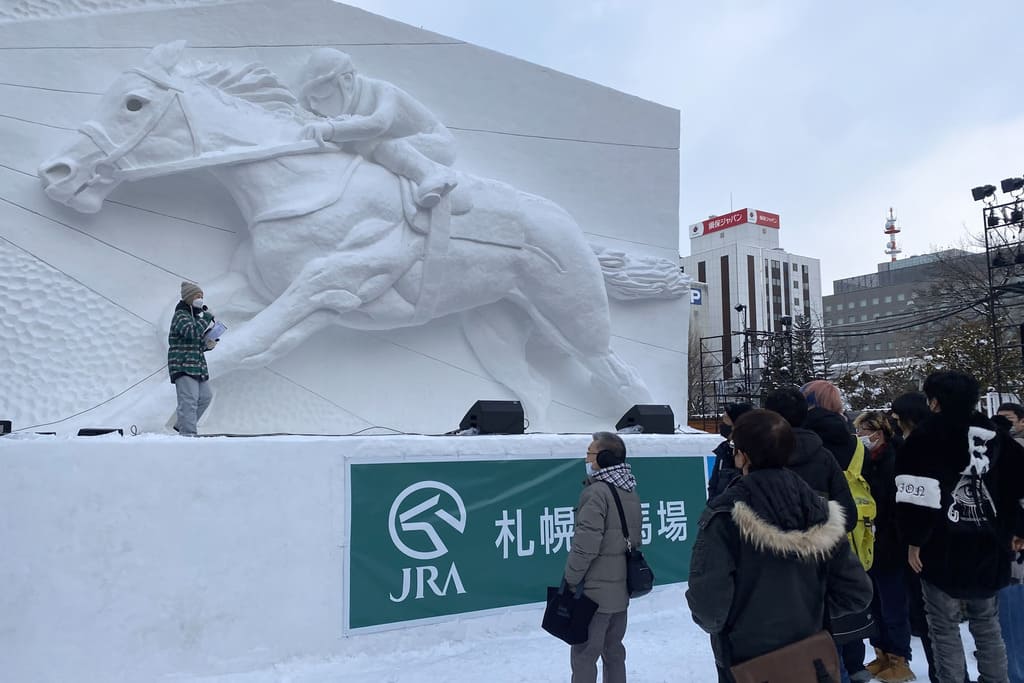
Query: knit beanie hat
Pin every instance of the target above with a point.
(189, 291)
(734, 410)
(822, 394)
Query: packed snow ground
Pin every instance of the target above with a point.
(662, 643)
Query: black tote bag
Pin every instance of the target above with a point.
(568, 614)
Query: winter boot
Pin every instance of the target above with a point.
(880, 664)
(898, 671)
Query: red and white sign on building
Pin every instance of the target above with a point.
(731, 220)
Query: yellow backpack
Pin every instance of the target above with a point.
(862, 538)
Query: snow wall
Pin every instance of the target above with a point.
(132, 559)
(85, 297)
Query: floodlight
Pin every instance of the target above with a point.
(983, 192)
(993, 219)
(739, 308)
(998, 261)
(1012, 184)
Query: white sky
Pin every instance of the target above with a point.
(825, 113)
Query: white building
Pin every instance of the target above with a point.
(739, 258)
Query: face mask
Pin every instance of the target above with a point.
(590, 469)
(199, 303)
(724, 430)
(868, 442)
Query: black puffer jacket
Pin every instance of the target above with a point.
(880, 472)
(770, 556)
(816, 466)
(835, 433)
(964, 564)
(724, 470)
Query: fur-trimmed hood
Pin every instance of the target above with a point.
(815, 543)
(778, 513)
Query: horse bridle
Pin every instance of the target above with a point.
(109, 168)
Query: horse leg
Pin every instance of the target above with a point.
(325, 284)
(498, 333)
(563, 290)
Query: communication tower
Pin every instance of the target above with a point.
(891, 230)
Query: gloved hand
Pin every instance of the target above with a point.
(211, 345)
(320, 131)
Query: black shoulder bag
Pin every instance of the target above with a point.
(639, 577)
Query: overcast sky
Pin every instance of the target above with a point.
(824, 113)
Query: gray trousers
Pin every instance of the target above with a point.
(193, 399)
(604, 641)
(943, 614)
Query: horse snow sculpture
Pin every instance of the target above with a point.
(337, 240)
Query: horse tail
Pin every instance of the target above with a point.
(629, 277)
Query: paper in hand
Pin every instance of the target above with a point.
(214, 333)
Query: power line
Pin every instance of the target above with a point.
(136, 207)
(916, 323)
(83, 412)
(93, 237)
(35, 123)
(41, 87)
(75, 279)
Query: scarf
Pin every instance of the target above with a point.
(620, 476)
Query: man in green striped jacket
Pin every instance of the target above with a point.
(186, 357)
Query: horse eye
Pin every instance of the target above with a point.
(133, 104)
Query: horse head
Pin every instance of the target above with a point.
(164, 117)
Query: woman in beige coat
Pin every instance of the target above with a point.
(598, 557)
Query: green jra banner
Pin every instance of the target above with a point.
(429, 539)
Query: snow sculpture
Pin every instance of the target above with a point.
(337, 239)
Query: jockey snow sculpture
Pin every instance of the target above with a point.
(379, 121)
(336, 240)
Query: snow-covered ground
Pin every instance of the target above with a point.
(663, 644)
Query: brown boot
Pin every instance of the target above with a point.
(880, 664)
(898, 671)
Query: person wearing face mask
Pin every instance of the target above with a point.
(724, 472)
(186, 357)
(597, 557)
(771, 564)
(891, 603)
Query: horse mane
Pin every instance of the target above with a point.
(253, 83)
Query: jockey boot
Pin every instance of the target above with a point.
(880, 663)
(898, 671)
(434, 186)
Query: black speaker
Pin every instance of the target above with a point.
(98, 431)
(653, 419)
(495, 417)
(5, 427)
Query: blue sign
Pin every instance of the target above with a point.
(696, 297)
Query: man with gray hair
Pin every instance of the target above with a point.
(380, 121)
(598, 557)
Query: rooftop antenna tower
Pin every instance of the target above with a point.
(891, 230)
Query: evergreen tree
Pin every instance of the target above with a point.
(804, 341)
